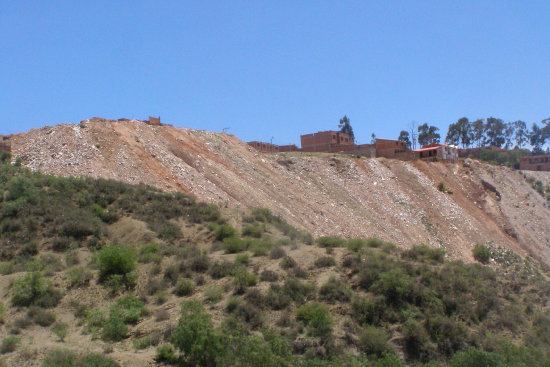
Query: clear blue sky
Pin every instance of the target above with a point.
(274, 68)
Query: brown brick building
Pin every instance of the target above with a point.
(325, 141)
(535, 162)
(264, 147)
(288, 148)
(437, 151)
(393, 149)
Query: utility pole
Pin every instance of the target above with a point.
(225, 129)
(271, 145)
(414, 134)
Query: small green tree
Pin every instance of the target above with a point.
(116, 260)
(476, 358)
(481, 253)
(404, 137)
(34, 290)
(317, 317)
(345, 127)
(196, 338)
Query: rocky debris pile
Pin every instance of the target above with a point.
(326, 194)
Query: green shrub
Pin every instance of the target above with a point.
(184, 287)
(224, 231)
(253, 230)
(277, 253)
(95, 318)
(195, 337)
(5, 157)
(9, 344)
(260, 247)
(166, 353)
(476, 358)
(335, 290)
(97, 360)
(248, 313)
(390, 360)
(213, 294)
(481, 253)
(367, 310)
(374, 242)
(129, 308)
(277, 298)
(330, 241)
(149, 253)
(244, 349)
(242, 259)
(242, 279)
(269, 276)
(67, 358)
(394, 285)
(297, 290)
(199, 263)
(373, 341)
(449, 335)
(80, 228)
(317, 317)
(113, 328)
(79, 276)
(233, 245)
(288, 263)
(356, 244)
(40, 316)
(60, 330)
(116, 261)
(325, 262)
(61, 358)
(425, 253)
(416, 341)
(34, 290)
(144, 342)
(221, 270)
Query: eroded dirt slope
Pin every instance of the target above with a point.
(326, 194)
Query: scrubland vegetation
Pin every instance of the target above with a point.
(246, 293)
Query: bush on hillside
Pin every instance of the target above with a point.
(373, 340)
(335, 290)
(116, 260)
(34, 290)
(67, 358)
(195, 337)
(330, 241)
(477, 358)
(223, 231)
(481, 253)
(317, 317)
(184, 287)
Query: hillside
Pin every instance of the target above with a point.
(98, 273)
(324, 194)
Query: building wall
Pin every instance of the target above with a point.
(154, 121)
(288, 148)
(323, 140)
(264, 147)
(535, 163)
(439, 151)
(392, 149)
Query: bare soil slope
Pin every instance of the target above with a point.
(325, 194)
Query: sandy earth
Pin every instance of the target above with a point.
(323, 193)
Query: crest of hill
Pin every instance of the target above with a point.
(325, 194)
